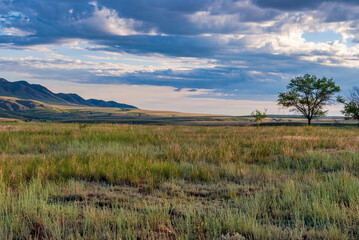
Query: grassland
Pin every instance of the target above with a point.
(36, 111)
(79, 181)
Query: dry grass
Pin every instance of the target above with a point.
(71, 181)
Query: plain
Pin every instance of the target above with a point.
(111, 181)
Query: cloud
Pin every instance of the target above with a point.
(295, 5)
(261, 78)
(202, 28)
(238, 49)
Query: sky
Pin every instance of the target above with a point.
(204, 56)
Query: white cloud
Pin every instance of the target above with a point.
(102, 65)
(107, 20)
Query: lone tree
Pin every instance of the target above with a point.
(258, 115)
(308, 95)
(351, 105)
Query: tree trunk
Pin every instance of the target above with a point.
(309, 121)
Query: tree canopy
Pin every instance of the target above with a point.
(351, 105)
(308, 95)
(258, 115)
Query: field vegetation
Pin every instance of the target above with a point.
(107, 181)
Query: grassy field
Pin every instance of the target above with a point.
(79, 181)
(44, 112)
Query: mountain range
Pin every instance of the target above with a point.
(24, 90)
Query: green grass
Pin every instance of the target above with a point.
(80, 181)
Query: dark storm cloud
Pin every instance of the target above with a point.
(51, 21)
(338, 12)
(179, 46)
(64, 18)
(295, 5)
(171, 17)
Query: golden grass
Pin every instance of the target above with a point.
(72, 181)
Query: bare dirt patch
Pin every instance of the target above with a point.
(102, 195)
(98, 194)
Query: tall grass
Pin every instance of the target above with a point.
(64, 181)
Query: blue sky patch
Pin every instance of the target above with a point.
(322, 37)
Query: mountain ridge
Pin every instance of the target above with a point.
(25, 90)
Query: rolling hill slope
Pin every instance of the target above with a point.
(25, 90)
(9, 104)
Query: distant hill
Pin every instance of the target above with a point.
(16, 104)
(25, 90)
